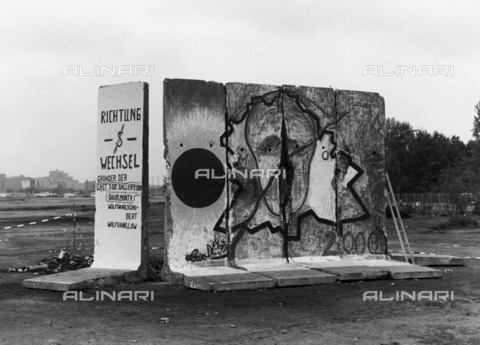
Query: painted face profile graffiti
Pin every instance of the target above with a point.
(268, 144)
(264, 142)
(277, 131)
(301, 140)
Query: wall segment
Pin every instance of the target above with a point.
(261, 172)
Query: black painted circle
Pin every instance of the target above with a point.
(202, 191)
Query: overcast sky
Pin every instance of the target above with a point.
(48, 121)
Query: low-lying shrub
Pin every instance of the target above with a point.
(458, 222)
(404, 214)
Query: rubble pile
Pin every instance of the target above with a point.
(61, 263)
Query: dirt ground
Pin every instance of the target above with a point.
(320, 314)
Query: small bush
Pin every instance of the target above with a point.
(403, 213)
(458, 222)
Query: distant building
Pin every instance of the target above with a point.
(3, 183)
(55, 179)
(29, 183)
(16, 183)
(44, 183)
(63, 179)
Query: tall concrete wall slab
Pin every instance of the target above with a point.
(121, 240)
(194, 120)
(361, 176)
(253, 142)
(310, 121)
(303, 172)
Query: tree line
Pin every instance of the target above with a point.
(420, 162)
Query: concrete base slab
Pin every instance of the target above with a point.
(413, 272)
(224, 279)
(353, 259)
(432, 260)
(291, 275)
(73, 280)
(309, 271)
(228, 282)
(348, 273)
(367, 269)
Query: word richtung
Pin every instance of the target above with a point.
(121, 115)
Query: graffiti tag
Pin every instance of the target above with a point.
(217, 250)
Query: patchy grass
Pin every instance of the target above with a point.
(423, 238)
(27, 245)
(458, 222)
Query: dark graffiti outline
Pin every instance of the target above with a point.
(366, 213)
(350, 184)
(243, 226)
(377, 242)
(247, 109)
(311, 212)
(360, 243)
(351, 243)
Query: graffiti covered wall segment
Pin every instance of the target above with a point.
(360, 132)
(328, 197)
